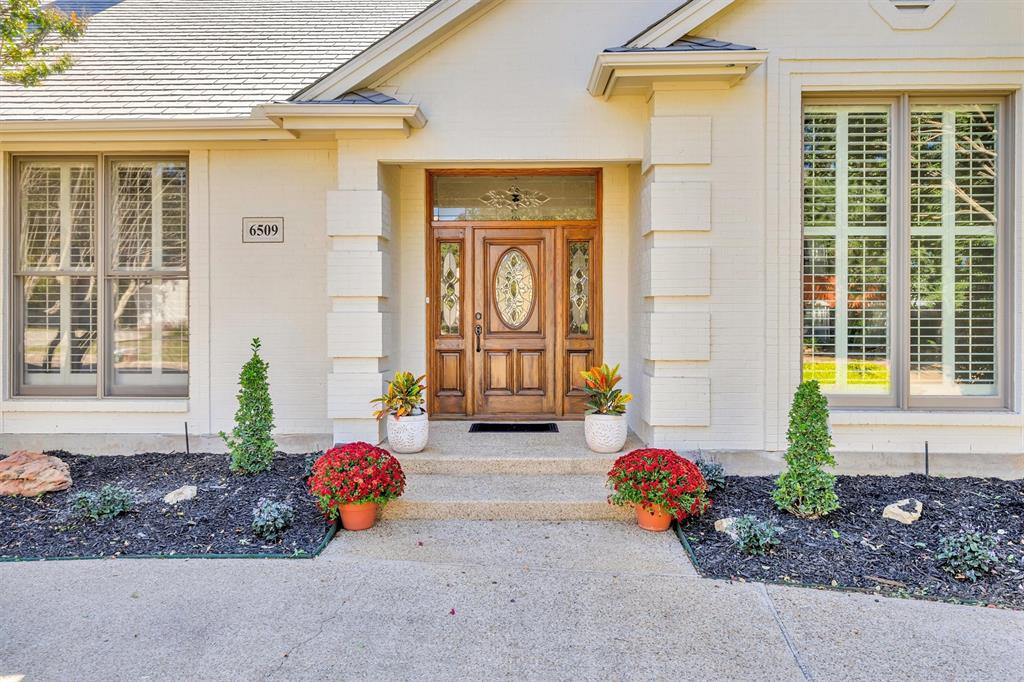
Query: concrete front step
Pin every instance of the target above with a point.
(505, 496)
(453, 451)
(497, 464)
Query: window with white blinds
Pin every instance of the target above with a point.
(846, 249)
(56, 267)
(953, 243)
(87, 327)
(908, 187)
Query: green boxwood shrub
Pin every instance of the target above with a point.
(251, 441)
(805, 489)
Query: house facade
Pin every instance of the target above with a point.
(725, 197)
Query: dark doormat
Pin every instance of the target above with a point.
(513, 427)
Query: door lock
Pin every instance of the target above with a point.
(479, 330)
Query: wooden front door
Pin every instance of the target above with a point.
(514, 314)
(514, 321)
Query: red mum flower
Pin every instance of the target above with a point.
(355, 473)
(653, 477)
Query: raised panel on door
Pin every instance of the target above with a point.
(498, 373)
(531, 372)
(577, 361)
(449, 379)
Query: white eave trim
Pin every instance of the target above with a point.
(327, 116)
(271, 121)
(148, 129)
(90, 124)
(613, 70)
(679, 23)
(421, 32)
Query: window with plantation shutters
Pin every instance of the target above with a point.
(909, 187)
(953, 242)
(846, 254)
(55, 270)
(116, 326)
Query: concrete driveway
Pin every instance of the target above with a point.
(416, 600)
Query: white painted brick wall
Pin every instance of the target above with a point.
(679, 335)
(683, 206)
(680, 272)
(356, 212)
(357, 273)
(678, 401)
(679, 140)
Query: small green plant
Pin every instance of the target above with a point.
(713, 472)
(270, 519)
(966, 555)
(805, 489)
(755, 536)
(308, 462)
(251, 443)
(405, 396)
(602, 396)
(105, 503)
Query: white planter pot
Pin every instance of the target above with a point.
(606, 433)
(408, 434)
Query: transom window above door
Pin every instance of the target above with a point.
(905, 252)
(481, 198)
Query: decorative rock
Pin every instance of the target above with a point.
(182, 494)
(905, 511)
(28, 474)
(725, 526)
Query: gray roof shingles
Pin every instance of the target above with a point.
(688, 44)
(184, 58)
(364, 96)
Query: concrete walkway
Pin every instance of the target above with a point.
(476, 600)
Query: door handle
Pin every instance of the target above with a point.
(478, 331)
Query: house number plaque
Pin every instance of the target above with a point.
(262, 230)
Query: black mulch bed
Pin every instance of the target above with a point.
(854, 547)
(217, 521)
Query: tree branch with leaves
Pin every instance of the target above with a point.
(32, 40)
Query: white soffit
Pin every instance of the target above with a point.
(637, 73)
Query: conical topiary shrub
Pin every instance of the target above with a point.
(251, 443)
(805, 489)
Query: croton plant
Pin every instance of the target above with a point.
(602, 396)
(651, 477)
(405, 396)
(355, 473)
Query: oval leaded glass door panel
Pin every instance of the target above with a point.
(514, 288)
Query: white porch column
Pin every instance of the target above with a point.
(675, 251)
(359, 324)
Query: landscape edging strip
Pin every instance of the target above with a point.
(331, 532)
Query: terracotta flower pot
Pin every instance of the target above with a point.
(654, 519)
(358, 516)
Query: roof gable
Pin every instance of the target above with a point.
(679, 22)
(414, 37)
